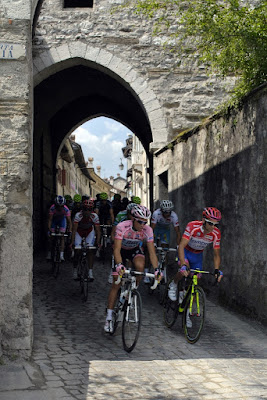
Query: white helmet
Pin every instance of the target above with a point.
(140, 212)
(130, 206)
(166, 205)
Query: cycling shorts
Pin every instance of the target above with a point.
(90, 239)
(62, 223)
(131, 254)
(163, 234)
(195, 259)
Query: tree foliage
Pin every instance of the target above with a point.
(230, 37)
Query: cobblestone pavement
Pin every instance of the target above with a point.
(74, 359)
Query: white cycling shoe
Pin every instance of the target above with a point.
(109, 326)
(172, 292)
(188, 320)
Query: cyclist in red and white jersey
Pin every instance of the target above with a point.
(129, 237)
(85, 225)
(197, 236)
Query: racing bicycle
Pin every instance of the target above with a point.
(105, 250)
(83, 268)
(191, 304)
(55, 257)
(162, 254)
(128, 307)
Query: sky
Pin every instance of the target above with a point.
(103, 138)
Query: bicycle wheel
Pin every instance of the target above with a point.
(131, 323)
(55, 263)
(194, 315)
(117, 313)
(84, 280)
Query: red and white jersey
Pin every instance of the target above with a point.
(85, 223)
(162, 222)
(131, 238)
(194, 232)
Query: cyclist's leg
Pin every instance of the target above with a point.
(138, 260)
(90, 240)
(77, 243)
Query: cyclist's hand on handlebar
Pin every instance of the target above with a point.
(120, 269)
(218, 274)
(158, 275)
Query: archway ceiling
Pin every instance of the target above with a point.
(74, 95)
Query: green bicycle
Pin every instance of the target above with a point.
(191, 303)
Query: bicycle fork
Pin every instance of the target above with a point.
(194, 297)
(132, 303)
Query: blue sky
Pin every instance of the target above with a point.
(103, 138)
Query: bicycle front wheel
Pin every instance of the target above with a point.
(131, 323)
(84, 280)
(194, 315)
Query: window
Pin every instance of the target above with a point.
(78, 3)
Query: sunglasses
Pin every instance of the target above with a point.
(141, 222)
(211, 223)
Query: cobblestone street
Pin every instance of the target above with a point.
(74, 359)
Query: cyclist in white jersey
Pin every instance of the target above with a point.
(161, 222)
(127, 245)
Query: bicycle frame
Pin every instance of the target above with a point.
(191, 290)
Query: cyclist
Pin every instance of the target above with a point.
(85, 224)
(198, 235)
(103, 209)
(136, 200)
(161, 221)
(69, 202)
(77, 204)
(59, 215)
(122, 216)
(128, 239)
(116, 205)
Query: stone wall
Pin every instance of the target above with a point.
(15, 181)
(223, 164)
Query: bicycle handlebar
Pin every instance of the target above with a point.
(133, 273)
(165, 248)
(59, 234)
(87, 247)
(105, 226)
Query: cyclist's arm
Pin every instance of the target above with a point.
(117, 251)
(98, 233)
(178, 234)
(50, 218)
(153, 225)
(96, 210)
(111, 215)
(69, 222)
(112, 235)
(74, 230)
(152, 254)
(183, 243)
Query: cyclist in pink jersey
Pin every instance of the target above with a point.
(129, 236)
(59, 215)
(197, 236)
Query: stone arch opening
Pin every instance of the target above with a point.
(63, 101)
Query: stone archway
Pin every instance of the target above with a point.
(76, 53)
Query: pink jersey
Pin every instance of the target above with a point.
(194, 232)
(60, 212)
(131, 238)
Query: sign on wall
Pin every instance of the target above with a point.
(11, 51)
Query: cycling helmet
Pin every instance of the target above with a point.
(88, 204)
(60, 201)
(77, 198)
(68, 197)
(212, 213)
(130, 206)
(166, 205)
(103, 196)
(117, 196)
(140, 212)
(136, 200)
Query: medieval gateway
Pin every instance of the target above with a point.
(61, 65)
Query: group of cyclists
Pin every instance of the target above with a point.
(133, 238)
